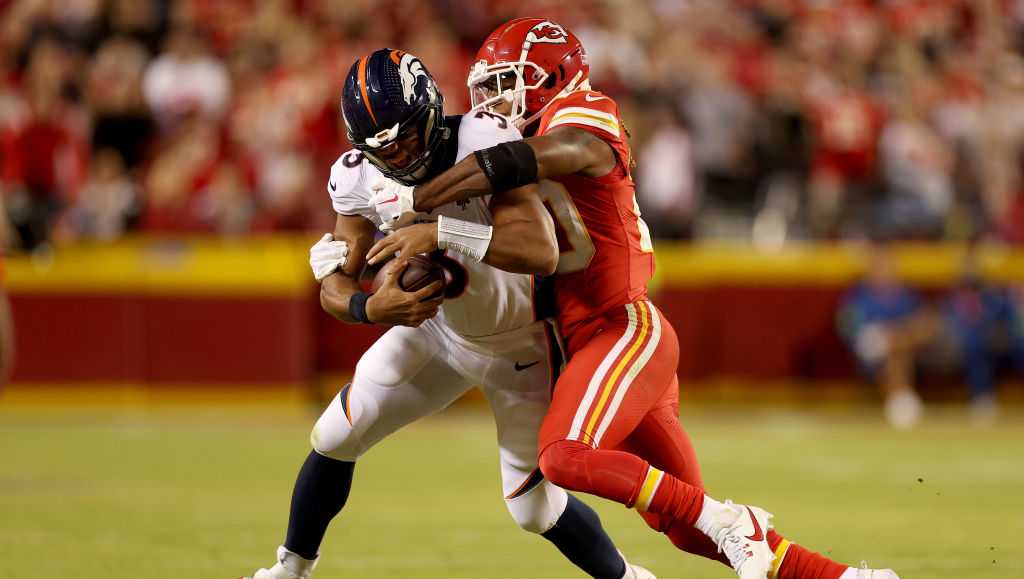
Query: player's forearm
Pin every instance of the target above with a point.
(522, 247)
(463, 181)
(336, 293)
(512, 165)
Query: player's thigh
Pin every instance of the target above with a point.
(614, 380)
(517, 385)
(403, 377)
(661, 440)
(518, 388)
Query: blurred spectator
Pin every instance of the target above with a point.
(846, 122)
(1010, 222)
(143, 21)
(886, 327)
(182, 165)
(113, 90)
(917, 175)
(721, 117)
(107, 203)
(186, 80)
(46, 156)
(984, 328)
(225, 205)
(666, 188)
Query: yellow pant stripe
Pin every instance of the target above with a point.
(609, 386)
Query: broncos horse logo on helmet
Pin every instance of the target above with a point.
(390, 99)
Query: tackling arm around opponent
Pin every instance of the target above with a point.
(522, 239)
(504, 167)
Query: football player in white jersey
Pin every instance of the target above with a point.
(488, 328)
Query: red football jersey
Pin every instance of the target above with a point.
(606, 257)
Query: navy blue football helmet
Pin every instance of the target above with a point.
(390, 96)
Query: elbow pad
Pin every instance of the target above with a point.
(508, 165)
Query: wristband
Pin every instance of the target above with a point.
(357, 307)
(468, 238)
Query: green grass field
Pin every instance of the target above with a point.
(203, 492)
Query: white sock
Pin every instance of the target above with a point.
(850, 573)
(295, 564)
(712, 519)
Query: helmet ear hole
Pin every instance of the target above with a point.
(551, 80)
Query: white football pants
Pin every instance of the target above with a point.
(410, 373)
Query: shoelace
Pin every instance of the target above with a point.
(735, 549)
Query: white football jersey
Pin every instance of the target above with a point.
(492, 301)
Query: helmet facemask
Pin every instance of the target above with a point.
(490, 85)
(425, 126)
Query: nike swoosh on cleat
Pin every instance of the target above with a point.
(521, 368)
(758, 534)
(333, 186)
(392, 200)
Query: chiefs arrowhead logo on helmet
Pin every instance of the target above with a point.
(548, 32)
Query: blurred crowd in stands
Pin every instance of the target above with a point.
(768, 120)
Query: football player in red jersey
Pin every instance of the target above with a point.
(613, 428)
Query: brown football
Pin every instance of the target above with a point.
(419, 273)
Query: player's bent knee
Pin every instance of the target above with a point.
(562, 464)
(334, 437)
(539, 509)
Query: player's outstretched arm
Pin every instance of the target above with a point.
(564, 151)
(521, 240)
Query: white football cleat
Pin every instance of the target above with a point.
(635, 571)
(745, 542)
(288, 566)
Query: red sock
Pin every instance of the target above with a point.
(673, 499)
(795, 562)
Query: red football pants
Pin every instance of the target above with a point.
(615, 410)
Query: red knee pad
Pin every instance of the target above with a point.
(563, 464)
(609, 474)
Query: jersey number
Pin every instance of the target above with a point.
(575, 248)
(502, 123)
(352, 159)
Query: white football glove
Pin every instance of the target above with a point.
(391, 200)
(327, 256)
